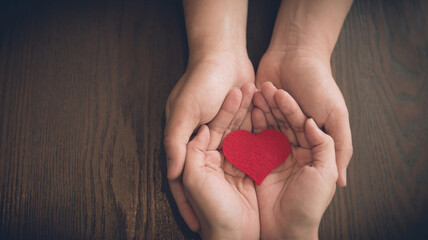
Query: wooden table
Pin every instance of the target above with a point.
(83, 85)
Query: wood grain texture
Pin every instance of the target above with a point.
(83, 87)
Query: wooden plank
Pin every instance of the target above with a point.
(83, 86)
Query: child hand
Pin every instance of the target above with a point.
(293, 198)
(196, 100)
(222, 196)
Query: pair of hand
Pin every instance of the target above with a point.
(291, 200)
(199, 94)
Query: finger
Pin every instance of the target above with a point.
(195, 161)
(246, 125)
(195, 157)
(183, 205)
(337, 126)
(322, 149)
(247, 90)
(248, 94)
(268, 91)
(259, 121)
(178, 129)
(224, 117)
(260, 102)
(294, 115)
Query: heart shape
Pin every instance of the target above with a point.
(256, 155)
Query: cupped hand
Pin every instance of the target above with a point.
(223, 197)
(307, 77)
(292, 198)
(195, 100)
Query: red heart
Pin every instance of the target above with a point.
(259, 155)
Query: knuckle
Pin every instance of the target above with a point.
(299, 129)
(334, 175)
(169, 106)
(342, 110)
(349, 151)
(192, 147)
(329, 141)
(218, 129)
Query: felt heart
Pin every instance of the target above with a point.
(259, 155)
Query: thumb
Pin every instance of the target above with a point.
(178, 130)
(322, 146)
(196, 149)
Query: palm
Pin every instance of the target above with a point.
(223, 197)
(287, 195)
(228, 195)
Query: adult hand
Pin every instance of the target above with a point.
(298, 61)
(292, 198)
(309, 81)
(195, 100)
(222, 196)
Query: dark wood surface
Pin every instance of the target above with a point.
(83, 87)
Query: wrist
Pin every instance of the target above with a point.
(298, 58)
(237, 66)
(297, 42)
(205, 46)
(215, 26)
(309, 25)
(218, 56)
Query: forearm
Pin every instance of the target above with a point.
(309, 25)
(215, 26)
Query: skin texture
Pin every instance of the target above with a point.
(290, 202)
(223, 197)
(293, 198)
(298, 61)
(188, 112)
(218, 62)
